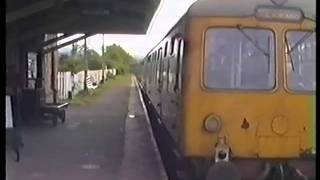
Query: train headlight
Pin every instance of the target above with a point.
(280, 14)
(212, 124)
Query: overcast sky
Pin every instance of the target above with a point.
(168, 14)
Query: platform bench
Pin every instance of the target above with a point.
(55, 111)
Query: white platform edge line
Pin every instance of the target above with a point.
(163, 172)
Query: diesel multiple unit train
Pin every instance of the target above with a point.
(233, 82)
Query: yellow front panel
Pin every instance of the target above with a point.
(258, 108)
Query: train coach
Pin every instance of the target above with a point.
(233, 82)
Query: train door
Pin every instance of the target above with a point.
(155, 88)
(178, 86)
(159, 82)
(165, 95)
(171, 91)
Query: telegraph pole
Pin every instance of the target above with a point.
(86, 61)
(103, 65)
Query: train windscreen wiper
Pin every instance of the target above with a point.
(253, 41)
(288, 52)
(299, 42)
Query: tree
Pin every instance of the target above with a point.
(94, 60)
(64, 56)
(115, 57)
(118, 58)
(72, 64)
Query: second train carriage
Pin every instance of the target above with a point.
(234, 84)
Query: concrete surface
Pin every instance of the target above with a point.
(106, 140)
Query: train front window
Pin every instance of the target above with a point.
(239, 58)
(301, 60)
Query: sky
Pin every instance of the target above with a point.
(168, 13)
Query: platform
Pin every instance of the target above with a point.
(110, 140)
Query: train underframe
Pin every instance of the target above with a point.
(254, 169)
(222, 166)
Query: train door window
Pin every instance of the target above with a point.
(172, 73)
(165, 49)
(172, 46)
(158, 70)
(144, 70)
(301, 60)
(239, 59)
(155, 68)
(151, 69)
(160, 66)
(147, 71)
(32, 70)
(166, 73)
(148, 59)
(180, 48)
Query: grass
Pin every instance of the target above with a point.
(85, 98)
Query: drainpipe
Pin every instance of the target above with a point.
(39, 70)
(53, 77)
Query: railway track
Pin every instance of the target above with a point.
(176, 167)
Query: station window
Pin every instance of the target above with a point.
(239, 59)
(32, 70)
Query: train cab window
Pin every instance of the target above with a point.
(301, 60)
(241, 59)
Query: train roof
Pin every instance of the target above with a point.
(247, 7)
(242, 8)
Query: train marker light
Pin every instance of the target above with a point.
(278, 13)
(212, 124)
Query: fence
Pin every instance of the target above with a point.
(64, 84)
(74, 83)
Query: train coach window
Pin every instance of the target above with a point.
(160, 66)
(165, 49)
(239, 59)
(301, 60)
(160, 53)
(172, 46)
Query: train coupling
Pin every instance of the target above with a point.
(222, 150)
(223, 169)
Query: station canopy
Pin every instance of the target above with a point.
(27, 19)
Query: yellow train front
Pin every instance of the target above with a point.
(234, 84)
